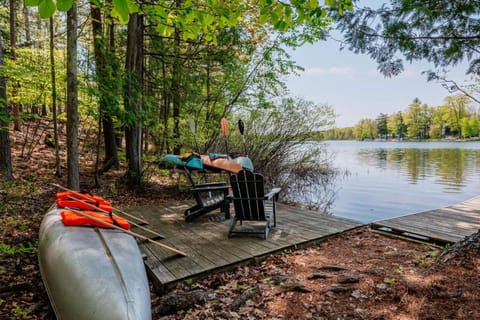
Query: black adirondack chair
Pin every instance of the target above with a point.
(208, 197)
(252, 204)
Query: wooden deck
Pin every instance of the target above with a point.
(442, 226)
(209, 250)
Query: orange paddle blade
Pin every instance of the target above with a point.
(224, 124)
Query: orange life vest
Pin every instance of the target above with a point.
(86, 205)
(70, 218)
(79, 195)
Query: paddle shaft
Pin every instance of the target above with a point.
(133, 234)
(192, 129)
(115, 209)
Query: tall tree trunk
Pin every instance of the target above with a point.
(6, 170)
(58, 166)
(26, 18)
(13, 44)
(73, 179)
(133, 99)
(105, 81)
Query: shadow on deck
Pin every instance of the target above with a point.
(209, 250)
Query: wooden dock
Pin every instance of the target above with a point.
(209, 249)
(443, 226)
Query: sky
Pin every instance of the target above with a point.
(355, 89)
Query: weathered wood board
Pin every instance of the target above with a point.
(442, 225)
(209, 249)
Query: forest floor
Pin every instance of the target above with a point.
(360, 274)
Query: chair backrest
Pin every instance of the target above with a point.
(248, 193)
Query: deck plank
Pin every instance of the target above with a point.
(208, 248)
(448, 225)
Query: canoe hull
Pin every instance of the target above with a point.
(92, 273)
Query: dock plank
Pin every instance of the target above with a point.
(208, 248)
(446, 225)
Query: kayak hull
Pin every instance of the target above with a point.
(92, 273)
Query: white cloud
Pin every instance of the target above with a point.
(335, 71)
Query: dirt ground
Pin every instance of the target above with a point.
(359, 274)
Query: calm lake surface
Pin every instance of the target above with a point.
(389, 179)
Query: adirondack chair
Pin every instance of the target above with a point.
(208, 197)
(252, 204)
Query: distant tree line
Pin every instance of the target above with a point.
(455, 118)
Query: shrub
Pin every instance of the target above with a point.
(279, 140)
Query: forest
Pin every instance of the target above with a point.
(456, 119)
(135, 78)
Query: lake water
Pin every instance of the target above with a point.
(389, 179)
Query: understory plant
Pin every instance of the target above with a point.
(279, 140)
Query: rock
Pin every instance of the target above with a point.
(176, 301)
(340, 289)
(244, 297)
(346, 280)
(297, 287)
(314, 276)
(358, 295)
(331, 268)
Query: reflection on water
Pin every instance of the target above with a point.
(388, 179)
(451, 167)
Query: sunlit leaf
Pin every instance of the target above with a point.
(64, 5)
(32, 3)
(121, 11)
(312, 4)
(46, 8)
(330, 3)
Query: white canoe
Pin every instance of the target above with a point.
(92, 273)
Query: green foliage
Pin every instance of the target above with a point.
(417, 119)
(389, 280)
(195, 19)
(382, 127)
(470, 127)
(442, 32)
(336, 134)
(10, 250)
(396, 126)
(278, 140)
(455, 109)
(19, 312)
(365, 129)
(30, 76)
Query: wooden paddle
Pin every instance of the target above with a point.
(133, 234)
(241, 128)
(78, 194)
(224, 126)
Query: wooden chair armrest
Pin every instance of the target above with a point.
(273, 193)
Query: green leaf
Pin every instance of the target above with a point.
(64, 5)
(32, 3)
(312, 4)
(46, 8)
(330, 3)
(120, 10)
